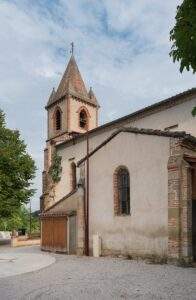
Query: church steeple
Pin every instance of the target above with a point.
(71, 111)
(72, 81)
(73, 84)
(71, 108)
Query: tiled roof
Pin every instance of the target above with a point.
(47, 211)
(52, 97)
(73, 84)
(175, 134)
(161, 105)
(93, 97)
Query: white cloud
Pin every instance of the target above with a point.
(122, 49)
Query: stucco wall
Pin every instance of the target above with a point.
(68, 204)
(179, 114)
(69, 155)
(145, 230)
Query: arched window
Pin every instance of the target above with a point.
(58, 119)
(83, 119)
(121, 191)
(73, 176)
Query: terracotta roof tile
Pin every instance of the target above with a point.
(164, 104)
(175, 134)
(52, 97)
(73, 84)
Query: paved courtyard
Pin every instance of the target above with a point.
(15, 261)
(71, 277)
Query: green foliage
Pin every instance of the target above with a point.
(183, 36)
(20, 219)
(194, 112)
(17, 169)
(56, 169)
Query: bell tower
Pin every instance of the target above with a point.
(71, 109)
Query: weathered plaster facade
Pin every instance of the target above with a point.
(144, 231)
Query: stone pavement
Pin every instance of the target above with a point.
(15, 261)
(83, 278)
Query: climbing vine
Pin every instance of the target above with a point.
(194, 112)
(56, 169)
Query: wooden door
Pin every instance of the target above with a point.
(60, 234)
(47, 234)
(54, 234)
(72, 234)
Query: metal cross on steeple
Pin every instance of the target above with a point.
(72, 48)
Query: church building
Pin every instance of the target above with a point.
(131, 181)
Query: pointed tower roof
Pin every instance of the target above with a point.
(92, 97)
(72, 81)
(52, 97)
(73, 84)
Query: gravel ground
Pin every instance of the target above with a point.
(72, 277)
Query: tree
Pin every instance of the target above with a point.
(17, 169)
(183, 36)
(20, 219)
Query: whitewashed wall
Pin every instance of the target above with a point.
(145, 230)
(179, 114)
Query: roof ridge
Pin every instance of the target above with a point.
(60, 200)
(147, 131)
(169, 101)
(71, 79)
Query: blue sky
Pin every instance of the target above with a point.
(121, 46)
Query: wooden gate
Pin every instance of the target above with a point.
(54, 233)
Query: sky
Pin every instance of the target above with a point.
(121, 47)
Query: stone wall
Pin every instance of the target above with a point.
(23, 241)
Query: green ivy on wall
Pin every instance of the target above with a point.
(56, 169)
(194, 112)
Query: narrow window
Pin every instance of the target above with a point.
(83, 119)
(73, 176)
(58, 120)
(121, 191)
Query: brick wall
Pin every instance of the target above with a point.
(179, 203)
